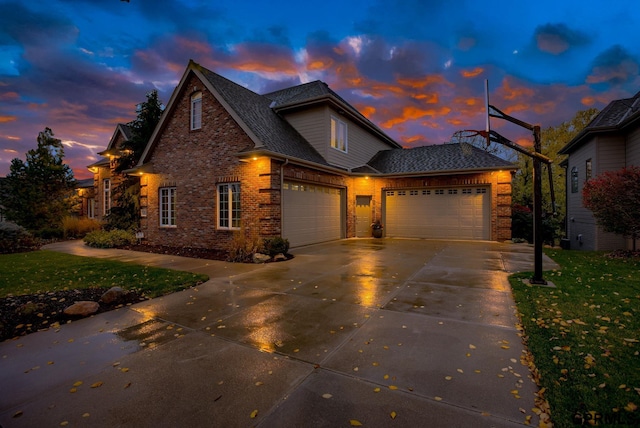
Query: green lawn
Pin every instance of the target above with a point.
(43, 271)
(584, 336)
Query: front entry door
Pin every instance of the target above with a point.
(363, 216)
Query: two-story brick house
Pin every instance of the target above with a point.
(304, 164)
(610, 142)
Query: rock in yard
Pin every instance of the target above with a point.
(112, 295)
(279, 257)
(260, 258)
(82, 309)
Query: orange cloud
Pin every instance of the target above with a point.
(367, 111)
(414, 113)
(588, 101)
(510, 92)
(472, 73)
(5, 119)
(430, 98)
(9, 96)
(424, 81)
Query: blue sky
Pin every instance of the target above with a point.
(416, 68)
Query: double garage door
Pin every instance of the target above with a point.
(312, 213)
(446, 213)
(315, 213)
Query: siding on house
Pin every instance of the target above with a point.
(580, 221)
(315, 126)
(612, 141)
(633, 148)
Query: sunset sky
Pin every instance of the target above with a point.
(416, 68)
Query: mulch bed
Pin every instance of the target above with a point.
(198, 253)
(21, 315)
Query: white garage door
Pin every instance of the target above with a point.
(312, 214)
(445, 213)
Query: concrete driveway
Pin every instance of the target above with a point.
(378, 332)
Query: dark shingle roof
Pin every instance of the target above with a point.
(616, 115)
(444, 157)
(275, 133)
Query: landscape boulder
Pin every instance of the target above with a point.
(82, 309)
(113, 295)
(261, 258)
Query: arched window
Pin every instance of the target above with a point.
(196, 111)
(574, 179)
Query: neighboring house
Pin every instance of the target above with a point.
(304, 164)
(609, 143)
(86, 193)
(105, 178)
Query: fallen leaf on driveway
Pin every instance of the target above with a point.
(254, 414)
(355, 423)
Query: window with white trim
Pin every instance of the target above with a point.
(196, 111)
(588, 169)
(229, 211)
(338, 134)
(91, 208)
(167, 206)
(106, 196)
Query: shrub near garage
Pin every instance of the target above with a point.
(16, 239)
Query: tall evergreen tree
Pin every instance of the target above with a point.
(38, 191)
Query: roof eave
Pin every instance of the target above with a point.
(450, 171)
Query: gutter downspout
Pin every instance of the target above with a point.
(286, 162)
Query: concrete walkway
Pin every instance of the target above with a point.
(382, 332)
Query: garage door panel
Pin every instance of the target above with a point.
(449, 213)
(312, 214)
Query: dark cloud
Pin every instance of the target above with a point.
(559, 38)
(615, 67)
(22, 26)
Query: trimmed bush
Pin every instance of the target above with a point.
(16, 239)
(109, 239)
(78, 227)
(277, 245)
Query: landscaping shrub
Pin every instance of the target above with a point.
(277, 245)
(16, 239)
(109, 239)
(78, 227)
(244, 245)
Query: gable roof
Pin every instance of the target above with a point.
(440, 158)
(273, 132)
(127, 133)
(616, 116)
(317, 92)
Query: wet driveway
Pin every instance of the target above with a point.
(378, 332)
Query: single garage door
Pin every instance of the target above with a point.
(439, 213)
(312, 214)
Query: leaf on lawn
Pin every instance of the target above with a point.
(355, 423)
(631, 407)
(254, 414)
(630, 340)
(393, 415)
